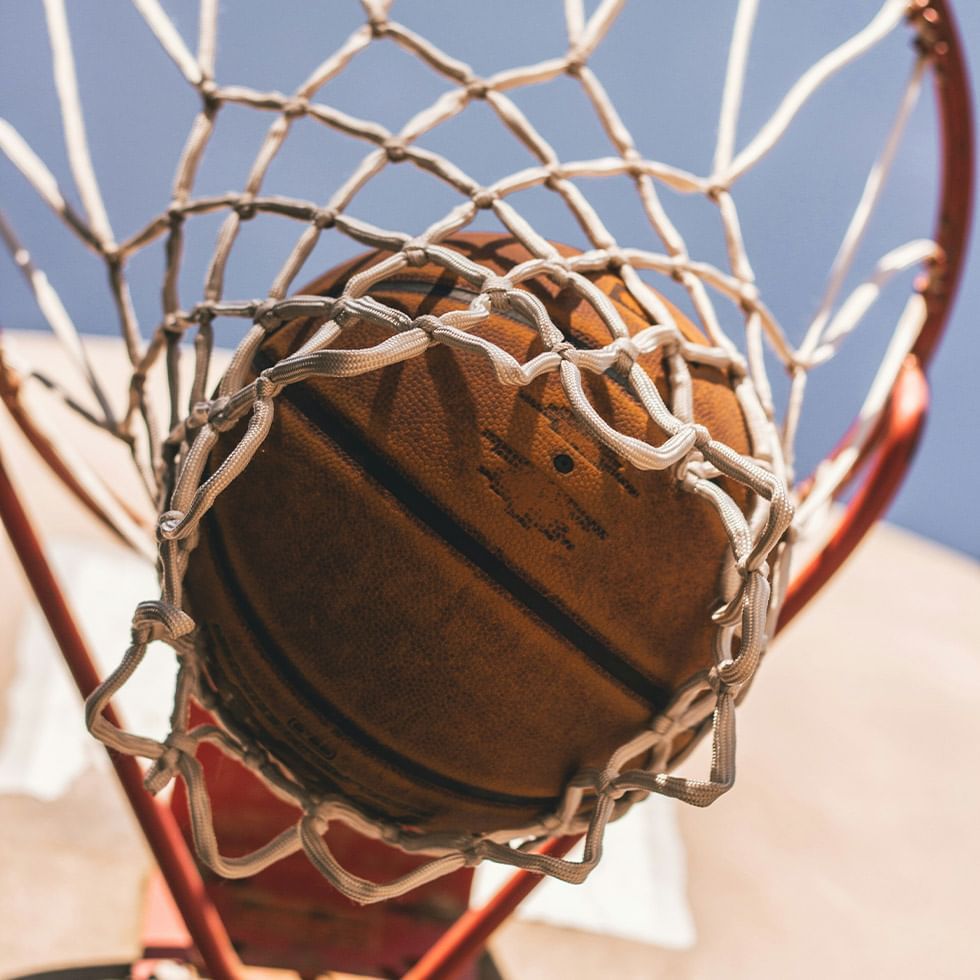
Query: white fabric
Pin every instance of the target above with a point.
(638, 891)
(44, 745)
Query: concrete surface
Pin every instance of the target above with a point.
(847, 848)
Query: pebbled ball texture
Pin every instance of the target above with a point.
(438, 595)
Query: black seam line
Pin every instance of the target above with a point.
(283, 751)
(300, 687)
(464, 542)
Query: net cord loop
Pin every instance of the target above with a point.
(172, 458)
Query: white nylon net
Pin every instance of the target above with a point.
(171, 447)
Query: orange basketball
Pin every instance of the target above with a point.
(436, 594)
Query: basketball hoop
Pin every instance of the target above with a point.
(212, 430)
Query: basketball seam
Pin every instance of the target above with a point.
(242, 717)
(349, 729)
(460, 539)
(465, 542)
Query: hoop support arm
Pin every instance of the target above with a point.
(156, 821)
(463, 940)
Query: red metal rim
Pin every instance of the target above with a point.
(885, 460)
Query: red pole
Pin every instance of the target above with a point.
(157, 822)
(466, 936)
(903, 426)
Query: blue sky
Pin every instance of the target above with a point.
(664, 74)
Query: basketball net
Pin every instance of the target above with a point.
(745, 340)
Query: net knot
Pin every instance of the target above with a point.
(168, 524)
(295, 106)
(217, 410)
(555, 176)
(484, 198)
(564, 350)
(427, 322)
(477, 88)
(181, 743)
(175, 324)
(606, 784)
(267, 314)
(325, 218)
(748, 296)
(175, 214)
(201, 313)
(265, 387)
(634, 161)
(678, 265)
(575, 63)
(198, 414)
(209, 94)
(340, 311)
(497, 289)
(730, 674)
(161, 772)
(627, 353)
(396, 149)
(688, 472)
(615, 259)
(748, 565)
(715, 680)
(378, 24)
(415, 253)
(474, 854)
(558, 273)
(662, 725)
(158, 620)
(244, 207)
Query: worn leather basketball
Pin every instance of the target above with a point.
(438, 596)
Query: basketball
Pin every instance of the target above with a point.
(438, 595)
